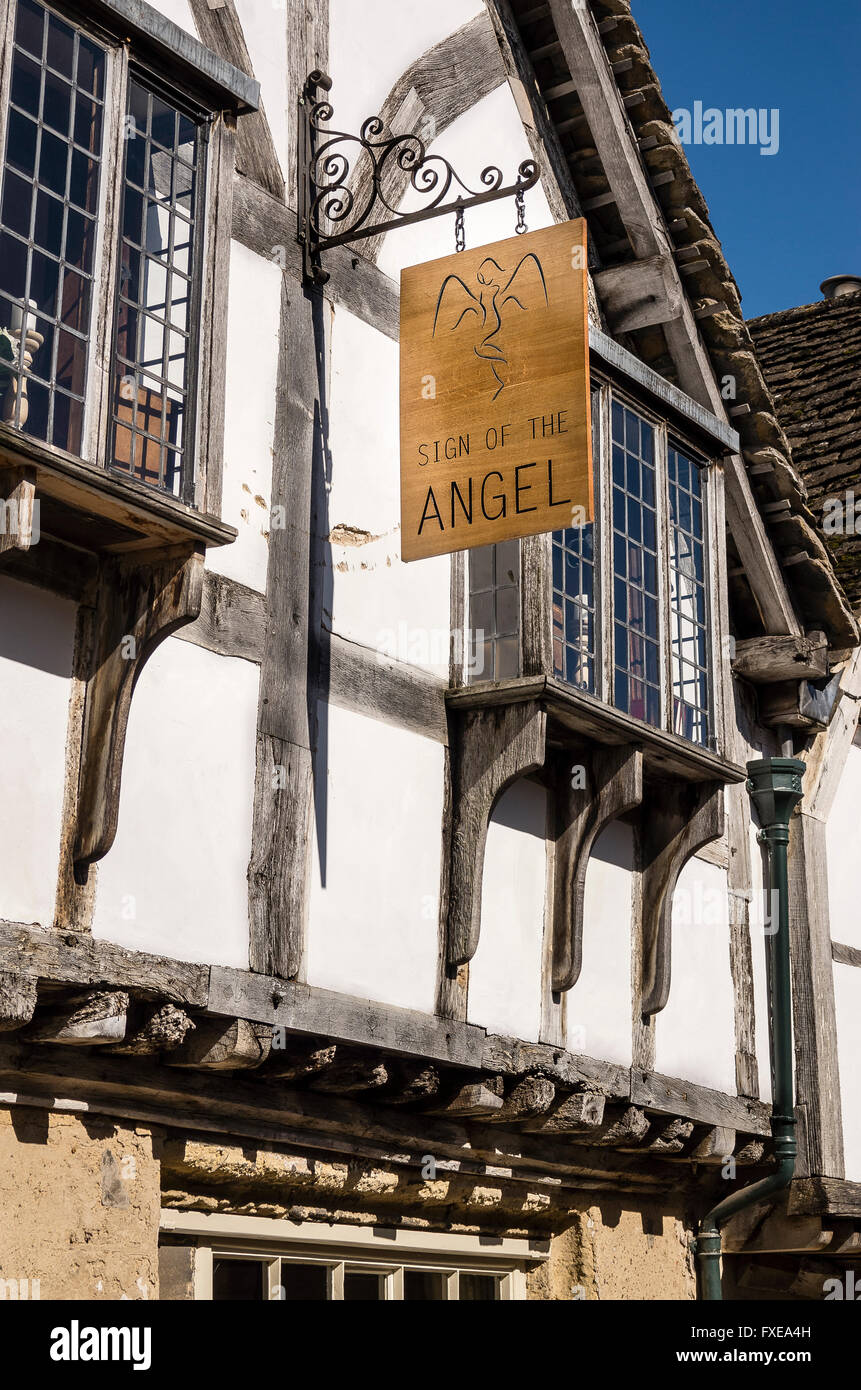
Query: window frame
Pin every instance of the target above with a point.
(349, 1248)
(206, 362)
(536, 576)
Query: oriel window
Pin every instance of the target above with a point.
(48, 224)
(101, 233)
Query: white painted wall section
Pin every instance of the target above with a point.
(37, 634)
(843, 843)
(505, 973)
(252, 369)
(175, 881)
(371, 42)
(599, 1006)
(375, 872)
(847, 1001)
(371, 596)
(695, 1033)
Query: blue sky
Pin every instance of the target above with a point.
(790, 219)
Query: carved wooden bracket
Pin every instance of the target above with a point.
(491, 747)
(679, 818)
(142, 599)
(614, 785)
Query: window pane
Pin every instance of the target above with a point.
(689, 637)
(47, 242)
(360, 1287)
(636, 682)
(422, 1284)
(153, 322)
(239, 1280)
(304, 1283)
(475, 1288)
(493, 649)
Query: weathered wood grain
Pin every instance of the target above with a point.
(17, 1000)
(95, 1018)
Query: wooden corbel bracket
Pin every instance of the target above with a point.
(490, 748)
(19, 515)
(142, 598)
(678, 819)
(614, 786)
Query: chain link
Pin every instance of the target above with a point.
(459, 233)
(520, 202)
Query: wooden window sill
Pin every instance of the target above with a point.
(574, 714)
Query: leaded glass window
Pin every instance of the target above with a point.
(636, 651)
(48, 224)
(688, 627)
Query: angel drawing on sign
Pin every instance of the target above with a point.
(525, 288)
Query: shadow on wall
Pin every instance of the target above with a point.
(35, 628)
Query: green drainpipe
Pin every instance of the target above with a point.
(774, 785)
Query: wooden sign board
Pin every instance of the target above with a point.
(495, 422)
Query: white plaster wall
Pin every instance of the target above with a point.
(179, 11)
(843, 843)
(505, 973)
(599, 1006)
(375, 872)
(37, 634)
(252, 368)
(847, 1000)
(264, 25)
(372, 597)
(695, 1033)
(175, 881)
(371, 42)
(491, 132)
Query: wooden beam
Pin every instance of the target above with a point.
(764, 660)
(141, 601)
(71, 959)
(298, 1059)
(581, 1113)
(157, 1028)
(232, 619)
(623, 1130)
(529, 1097)
(96, 1018)
(217, 1044)
(640, 293)
(348, 1075)
(845, 955)
(472, 1099)
(17, 1000)
(817, 1070)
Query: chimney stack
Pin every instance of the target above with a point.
(836, 285)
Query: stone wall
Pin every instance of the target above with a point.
(79, 1207)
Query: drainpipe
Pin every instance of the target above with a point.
(774, 785)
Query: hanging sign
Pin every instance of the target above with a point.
(495, 420)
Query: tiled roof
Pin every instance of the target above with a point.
(811, 359)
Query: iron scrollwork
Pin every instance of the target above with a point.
(346, 181)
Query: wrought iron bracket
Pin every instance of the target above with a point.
(345, 182)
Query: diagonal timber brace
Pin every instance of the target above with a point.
(679, 820)
(142, 599)
(614, 786)
(491, 748)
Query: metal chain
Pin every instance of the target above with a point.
(459, 234)
(520, 201)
